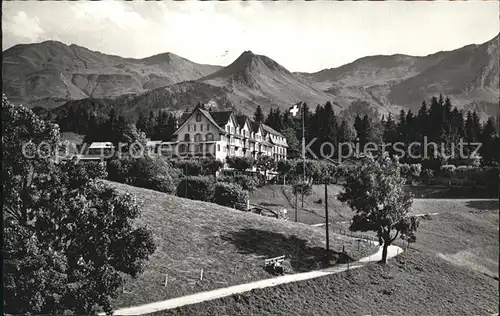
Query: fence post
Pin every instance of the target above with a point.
(166, 279)
(201, 275)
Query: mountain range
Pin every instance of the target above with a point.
(51, 74)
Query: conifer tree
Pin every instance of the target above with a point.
(258, 115)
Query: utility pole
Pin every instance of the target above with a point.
(326, 221)
(296, 204)
(186, 174)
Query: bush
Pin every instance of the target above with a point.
(161, 183)
(196, 188)
(209, 167)
(248, 183)
(96, 169)
(231, 195)
(188, 167)
(240, 163)
(145, 172)
(448, 170)
(118, 170)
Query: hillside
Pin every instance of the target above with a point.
(468, 75)
(179, 96)
(257, 79)
(415, 284)
(229, 245)
(50, 73)
(452, 269)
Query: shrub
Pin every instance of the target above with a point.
(231, 195)
(248, 183)
(196, 188)
(145, 172)
(118, 170)
(96, 169)
(188, 167)
(240, 163)
(161, 183)
(448, 170)
(209, 167)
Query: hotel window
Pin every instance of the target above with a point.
(208, 127)
(186, 138)
(197, 137)
(198, 117)
(182, 148)
(194, 127)
(218, 147)
(210, 136)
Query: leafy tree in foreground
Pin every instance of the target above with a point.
(68, 239)
(375, 192)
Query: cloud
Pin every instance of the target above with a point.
(302, 36)
(113, 11)
(22, 26)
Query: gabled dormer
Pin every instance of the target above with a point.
(198, 126)
(244, 125)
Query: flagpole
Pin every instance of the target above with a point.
(303, 151)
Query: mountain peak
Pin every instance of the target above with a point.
(247, 64)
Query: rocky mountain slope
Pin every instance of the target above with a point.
(50, 73)
(260, 80)
(468, 75)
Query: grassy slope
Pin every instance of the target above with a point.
(414, 284)
(280, 196)
(192, 235)
(450, 270)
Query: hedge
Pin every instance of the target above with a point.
(196, 188)
(231, 195)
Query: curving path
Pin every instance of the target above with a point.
(392, 251)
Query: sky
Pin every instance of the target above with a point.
(301, 36)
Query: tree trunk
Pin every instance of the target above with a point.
(384, 252)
